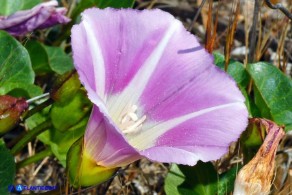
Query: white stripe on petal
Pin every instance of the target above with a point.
(135, 88)
(97, 58)
(147, 138)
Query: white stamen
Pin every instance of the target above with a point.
(130, 123)
(135, 127)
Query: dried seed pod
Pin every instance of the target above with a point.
(255, 177)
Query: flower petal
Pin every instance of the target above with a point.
(187, 106)
(183, 155)
(198, 95)
(207, 136)
(41, 16)
(105, 145)
(111, 57)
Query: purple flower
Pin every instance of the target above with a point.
(41, 16)
(155, 90)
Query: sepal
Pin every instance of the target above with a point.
(83, 170)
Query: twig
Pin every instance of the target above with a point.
(252, 45)
(197, 15)
(38, 108)
(45, 95)
(280, 7)
(40, 166)
(232, 24)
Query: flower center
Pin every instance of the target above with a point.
(129, 121)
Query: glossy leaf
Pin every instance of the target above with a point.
(7, 169)
(67, 115)
(59, 61)
(21, 90)
(200, 179)
(39, 57)
(235, 69)
(47, 59)
(272, 93)
(15, 67)
(226, 181)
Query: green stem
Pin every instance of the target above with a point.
(30, 136)
(37, 108)
(34, 158)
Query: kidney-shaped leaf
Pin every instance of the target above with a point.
(273, 93)
(59, 61)
(198, 180)
(15, 66)
(201, 179)
(39, 57)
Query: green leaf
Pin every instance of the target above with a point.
(73, 118)
(200, 179)
(101, 4)
(47, 59)
(59, 61)
(39, 57)
(21, 90)
(67, 115)
(272, 93)
(7, 169)
(173, 179)
(114, 3)
(226, 181)
(28, 4)
(15, 66)
(8, 7)
(235, 69)
(60, 142)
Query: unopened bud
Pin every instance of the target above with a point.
(255, 178)
(11, 109)
(65, 87)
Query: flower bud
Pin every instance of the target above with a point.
(83, 170)
(255, 177)
(10, 111)
(65, 87)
